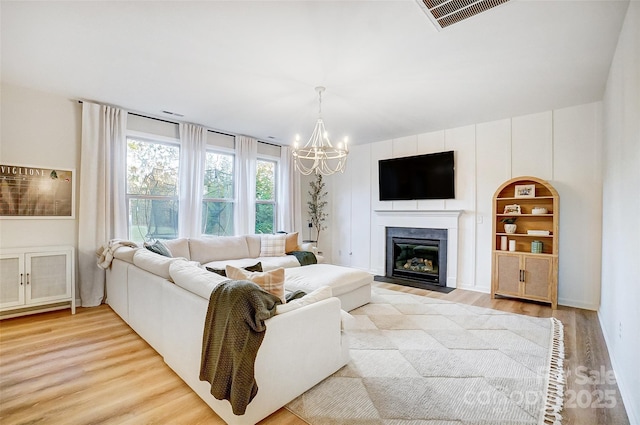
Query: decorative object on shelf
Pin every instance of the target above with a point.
(512, 209)
(536, 247)
(538, 232)
(316, 205)
(539, 210)
(512, 245)
(319, 155)
(503, 243)
(509, 224)
(525, 191)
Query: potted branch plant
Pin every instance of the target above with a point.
(317, 205)
(509, 224)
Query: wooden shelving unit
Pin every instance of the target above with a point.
(523, 273)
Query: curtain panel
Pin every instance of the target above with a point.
(289, 197)
(193, 151)
(102, 203)
(245, 165)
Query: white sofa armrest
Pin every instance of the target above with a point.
(309, 246)
(300, 349)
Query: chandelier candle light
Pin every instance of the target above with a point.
(319, 155)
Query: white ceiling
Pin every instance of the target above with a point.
(251, 67)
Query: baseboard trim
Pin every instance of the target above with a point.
(578, 304)
(634, 417)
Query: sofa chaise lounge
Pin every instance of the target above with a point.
(165, 301)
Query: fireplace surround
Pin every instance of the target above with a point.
(434, 219)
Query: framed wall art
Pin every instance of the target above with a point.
(37, 192)
(525, 191)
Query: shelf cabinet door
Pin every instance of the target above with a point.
(508, 274)
(538, 279)
(49, 276)
(11, 280)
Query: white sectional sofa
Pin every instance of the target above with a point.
(165, 301)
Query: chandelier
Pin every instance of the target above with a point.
(319, 155)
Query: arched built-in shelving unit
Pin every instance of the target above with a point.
(524, 271)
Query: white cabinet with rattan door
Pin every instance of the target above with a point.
(36, 279)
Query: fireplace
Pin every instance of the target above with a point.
(417, 255)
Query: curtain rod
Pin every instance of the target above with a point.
(176, 122)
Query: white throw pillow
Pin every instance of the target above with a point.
(319, 294)
(272, 245)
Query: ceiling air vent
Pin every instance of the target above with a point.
(447, 12)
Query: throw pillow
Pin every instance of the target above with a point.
(291, 242)
(319, 294)
(159, 248)
(271, 281)
(272, 245)
(223, 272)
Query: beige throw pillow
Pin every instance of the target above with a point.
(291, 242)
(271, 281)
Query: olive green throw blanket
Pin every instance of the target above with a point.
(233, 331)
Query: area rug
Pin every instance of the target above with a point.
(424, 361)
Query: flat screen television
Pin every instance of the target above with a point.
(430, 176)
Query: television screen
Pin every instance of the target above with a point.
(430, 176)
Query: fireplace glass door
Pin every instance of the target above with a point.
(416, 259)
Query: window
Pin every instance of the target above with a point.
(265, 195)
(152, 189)
(218, 199)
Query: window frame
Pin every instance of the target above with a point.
(276, 178)
(224, 151)
(156, 139)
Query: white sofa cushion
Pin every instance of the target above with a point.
(272, 245)
(153, 263)
(311, 277)
(253, 242)
(204, 250)
(190, 276)
(319, 294)
(268, 263)
(178, 247)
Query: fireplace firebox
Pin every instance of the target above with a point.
(417, 255)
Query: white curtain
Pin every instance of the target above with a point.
(103, 212)
(193, 151)
(289, 196)
(244, 211)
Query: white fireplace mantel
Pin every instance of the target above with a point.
(435, 219)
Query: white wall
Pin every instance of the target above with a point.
(39, 129)
(561, 146)
(620, 307)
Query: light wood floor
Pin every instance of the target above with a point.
(91, 368)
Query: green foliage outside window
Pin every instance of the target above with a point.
(152, 190)
(217, 208)
(265, 196)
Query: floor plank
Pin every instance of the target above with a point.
(91, 368)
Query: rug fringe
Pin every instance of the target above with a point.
(555, 379)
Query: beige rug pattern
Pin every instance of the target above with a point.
(423, 361)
